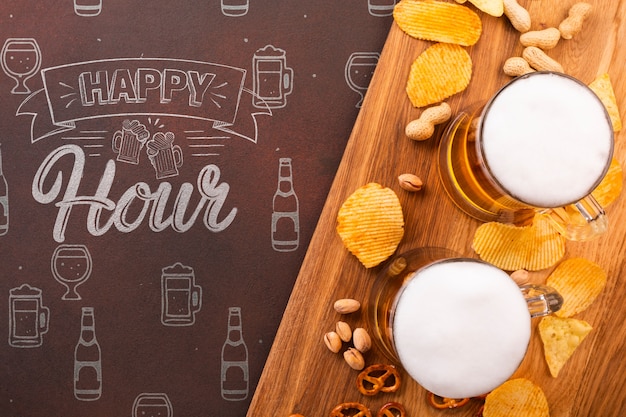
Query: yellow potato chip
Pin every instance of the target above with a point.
(579, 282)
(371, 224)
(439, 72)
(509, 247)
(604, 90)
(516, 397)
(611, 186)
(438, 21)
(561, 337)
(492, 7)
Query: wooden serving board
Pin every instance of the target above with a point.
(302, 376)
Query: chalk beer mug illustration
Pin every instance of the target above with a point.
(128, 142)
(152, 404)
(541, 144)
(181, 298)
(28, 318)
(165, 157)
(271, 78)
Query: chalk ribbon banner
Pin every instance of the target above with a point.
(151, 87)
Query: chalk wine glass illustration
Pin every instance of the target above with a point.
(359, 71)
(71, 267)
(20, 59)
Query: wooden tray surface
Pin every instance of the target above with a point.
(302, 376)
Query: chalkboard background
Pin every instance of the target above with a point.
(141, 144)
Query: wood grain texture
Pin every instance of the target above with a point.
(302, 376)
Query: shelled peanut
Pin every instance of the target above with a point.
(537, 42)
(518, 16)
(574, 21)
(423, 127)
(543, 39)
(516, 66)
(540, 61)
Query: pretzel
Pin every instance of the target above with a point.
(445, 402)
(350, 410)
(378, 378)
(392, 409)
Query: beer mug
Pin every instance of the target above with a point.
(272, 80)
(459, 326)
(181, 299)
(164, 156)
(149, 404)
(27, 316)
(541, 144)
(128, 142)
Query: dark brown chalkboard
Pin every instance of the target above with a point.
(141, 144)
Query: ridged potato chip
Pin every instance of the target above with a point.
(611, 186)
(604, 90)
(533, 248)
(561, 337)
(371, 223)
(439, 72)
(516, 397)
(438, 21)
(579, 281)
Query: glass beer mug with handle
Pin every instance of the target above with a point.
(541, 144)
(459, 326)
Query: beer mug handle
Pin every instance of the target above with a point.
(117, 139)
(288, 80)
(178, 156)
(196, 298)
(580, 221)
(44, 319)
(541, 299)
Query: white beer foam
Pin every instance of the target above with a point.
(547, 140)
(461, 328)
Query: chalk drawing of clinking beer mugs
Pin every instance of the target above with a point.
(128, 142)
(165, 157)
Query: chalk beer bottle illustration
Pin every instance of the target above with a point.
(285, 213)
(234, 373)
(87, 360)
(4, 201)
